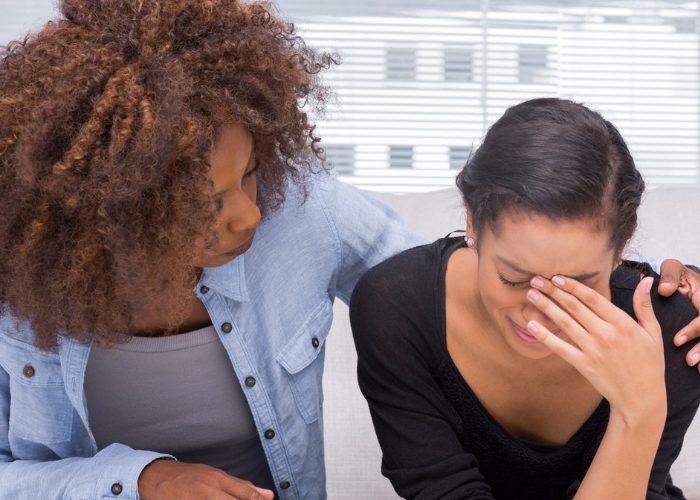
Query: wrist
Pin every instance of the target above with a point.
(149, 478)
(646, 422)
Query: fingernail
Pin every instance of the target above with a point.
(532, 326)
(533, 295)
(681, 340)
(537, 282)
(695, 358)
(559, 281)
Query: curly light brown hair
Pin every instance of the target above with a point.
(108, 116)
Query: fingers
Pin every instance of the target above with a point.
(693, 357)
(577, 308)
(561, 348)
(643, 309)
(244, 490)
(267, 494)
(694, 292)
(561, 318)
(671, 272)
(687, 333)
(598, 304)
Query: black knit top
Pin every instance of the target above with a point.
(438, 441)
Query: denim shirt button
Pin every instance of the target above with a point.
(28, 371)
(285, 485)
(117, 489)
(226, 327)
(315, 342)
(250, 381)
(204, 289)
(269, 434)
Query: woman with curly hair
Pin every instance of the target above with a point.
(141, 144)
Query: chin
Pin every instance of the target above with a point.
(216, 261)
(540, 352)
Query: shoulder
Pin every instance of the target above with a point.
(672, 313)
(405, 276)
(394, 307)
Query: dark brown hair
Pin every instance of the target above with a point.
(107, 119)
(555, 158)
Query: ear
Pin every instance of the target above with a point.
(470, 225)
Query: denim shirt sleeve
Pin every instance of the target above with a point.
(74, 478)
(367, 232)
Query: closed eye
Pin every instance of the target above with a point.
(513, 284)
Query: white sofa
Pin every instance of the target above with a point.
(669, 226)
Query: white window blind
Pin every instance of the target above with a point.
(421, 81)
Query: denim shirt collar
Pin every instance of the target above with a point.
(228, 280)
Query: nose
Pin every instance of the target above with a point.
(246, 218)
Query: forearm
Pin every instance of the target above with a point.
(76, 477)
(623, 463)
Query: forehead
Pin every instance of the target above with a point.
(230, 153)
(545, 246)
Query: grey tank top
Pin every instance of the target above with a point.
(176, 395)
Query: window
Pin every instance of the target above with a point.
(454, 66)
(532, 64)
(420, 80)
(459, 156)
(341, 157)
(459, 64)
(400, 64)
(401, 156)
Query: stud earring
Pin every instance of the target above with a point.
(469, 241)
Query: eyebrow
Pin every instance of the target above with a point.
(515, 267)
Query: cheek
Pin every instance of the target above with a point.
(251, 189)
(498, 297)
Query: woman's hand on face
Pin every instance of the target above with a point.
(676, 277)
(622, 359)
(171, 480)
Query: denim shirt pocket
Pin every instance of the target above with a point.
(40, 410)
(302, 359)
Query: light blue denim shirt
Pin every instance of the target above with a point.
(272, 310)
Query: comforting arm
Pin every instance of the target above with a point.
(685, 279)
(367, 232)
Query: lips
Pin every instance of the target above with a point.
(524, 335)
